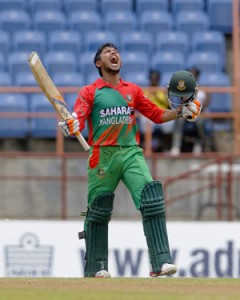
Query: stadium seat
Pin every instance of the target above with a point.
(91, 77)
(5, 42)
(25, 79)
(165, 78)
(17, 62)
(119, 22)
(94, 39)
(68, 79)
(60, 61)
(65, 40)
(220, 15)
(71, 6)
(137, 41)
(42, 127)
(172, 40)
(134, 62)
(192, 21)
(141, 79)
(187, 5)
(155, 22)
(17, 103)
(86, 65)
(209, 41)
(29, 40)
(12, 4)
(44, 5)
(205, 61)
(115, 5)
(219, 102)
(2, 62)
(85, 21)
(48, 21)
(14, 20)
(151, 5)
(70, 99)
(5, 78)
(166, 61)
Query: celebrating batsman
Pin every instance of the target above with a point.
(109, 106)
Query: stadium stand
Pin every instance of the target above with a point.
(71, 6)
(220, 15)
(13, 20)
(169, 40)
(42, 127)
(137, 41)
(29, 40)
(119, 22)
(14, 103)
(65, 40)
(195, 30)
(155, 21)
(151, 5)
(165, 61)
(60, 61)
(96, 38)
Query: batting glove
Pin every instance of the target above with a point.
(71, 126)
(191, 111)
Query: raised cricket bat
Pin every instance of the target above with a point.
(52, 93)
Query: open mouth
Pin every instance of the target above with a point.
(114, 61)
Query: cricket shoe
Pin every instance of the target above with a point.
(167, 269)
(102, 274)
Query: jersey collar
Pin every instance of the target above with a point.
(100, 83)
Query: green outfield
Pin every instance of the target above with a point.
(119, 288)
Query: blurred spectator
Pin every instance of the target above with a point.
(161, 133)
(191, 136)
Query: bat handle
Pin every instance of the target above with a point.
(82, 141)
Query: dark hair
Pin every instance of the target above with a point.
(98, 54)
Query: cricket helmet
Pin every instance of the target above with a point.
(182, 88)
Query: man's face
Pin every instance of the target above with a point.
(110, 60)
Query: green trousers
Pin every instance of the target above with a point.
(108, 165)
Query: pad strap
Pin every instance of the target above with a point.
(154, 225)
(96, 234)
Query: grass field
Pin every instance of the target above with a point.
(119, 288)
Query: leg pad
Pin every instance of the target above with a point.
(154, 225)
(96, 234)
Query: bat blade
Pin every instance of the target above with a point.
(52, 93)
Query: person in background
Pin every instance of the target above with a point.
(190, 136)
(161, 133)
(109, 105)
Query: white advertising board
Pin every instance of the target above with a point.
(52, 249)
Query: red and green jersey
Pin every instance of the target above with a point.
(110, 112)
